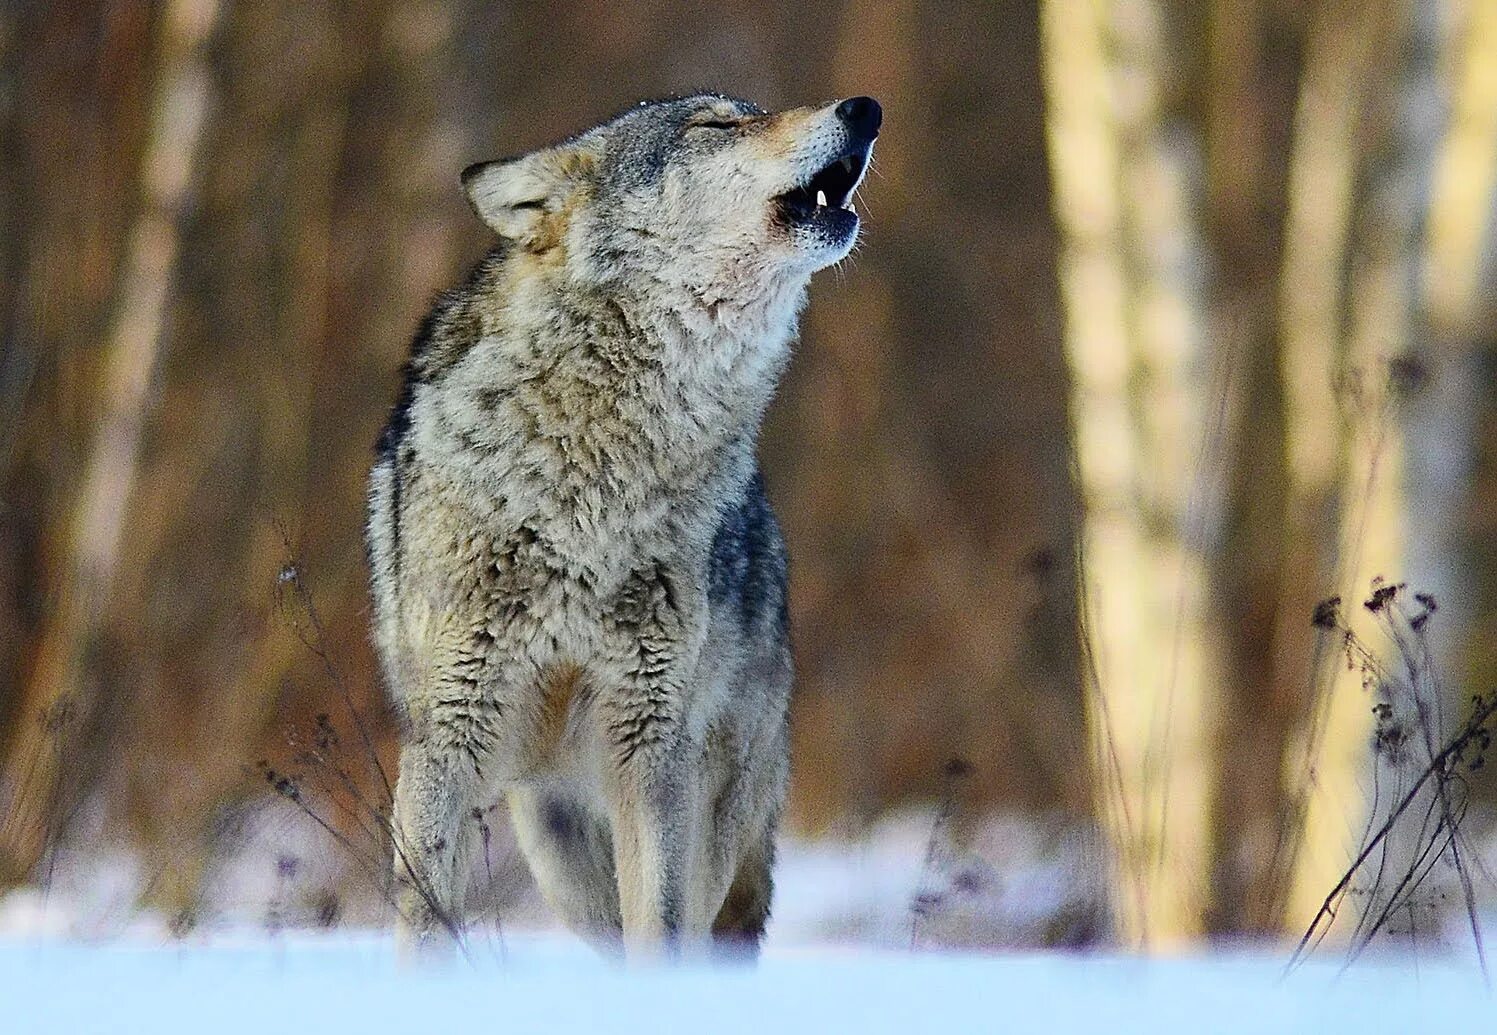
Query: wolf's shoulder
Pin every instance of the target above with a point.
(748, 567)
(449, 330)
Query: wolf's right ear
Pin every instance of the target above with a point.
(515, 196)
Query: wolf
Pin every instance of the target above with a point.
(579, 586)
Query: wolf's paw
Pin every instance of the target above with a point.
(434, 947)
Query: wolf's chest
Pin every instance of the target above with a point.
(577, 572)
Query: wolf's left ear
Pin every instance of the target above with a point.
(514, 196)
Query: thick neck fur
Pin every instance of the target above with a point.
(601, 404)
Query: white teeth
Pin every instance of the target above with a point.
(821, 198)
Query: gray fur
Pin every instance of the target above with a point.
(579, 586)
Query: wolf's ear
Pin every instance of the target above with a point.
(514, 196)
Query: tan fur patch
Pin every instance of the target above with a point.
(550, 233)
(558, 691)
(783, 133)
(549, 237)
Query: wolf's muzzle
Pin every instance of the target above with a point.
(823, 201)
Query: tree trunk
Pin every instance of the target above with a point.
(1453, 473)
(54, 763)
(1341, 508)
(1130, 313)
(1249, 83)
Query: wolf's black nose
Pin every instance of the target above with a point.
(862, 115)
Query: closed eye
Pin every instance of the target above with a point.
(713, 124)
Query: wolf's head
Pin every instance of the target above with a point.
(708, 194)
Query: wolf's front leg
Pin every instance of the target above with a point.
(653, 771)
(433, 845)
(655, 841)
(442, 767)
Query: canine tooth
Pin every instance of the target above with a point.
(821, 198)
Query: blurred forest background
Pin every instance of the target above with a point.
(1171, 319)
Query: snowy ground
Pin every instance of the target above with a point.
(839, 958)
(1015, 886)
(540, 983)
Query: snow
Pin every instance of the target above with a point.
(1015, 885)
(349, 982)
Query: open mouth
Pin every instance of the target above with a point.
(827, 195)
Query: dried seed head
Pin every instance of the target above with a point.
(1327, 614)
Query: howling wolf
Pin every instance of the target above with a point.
(579, 586)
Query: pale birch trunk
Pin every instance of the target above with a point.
(1455, 321)
(1343, 436)
(1130, 330)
